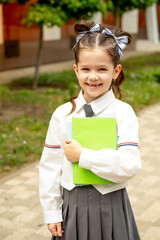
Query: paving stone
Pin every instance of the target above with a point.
(18, 209)
(3, 232)
(143, 228)
(26, 217)
(13, 182)
(12, 225)
(9, 215)
(16, 189)
(157, 223)
(3, 209)
(37, 222)
(1, 200)
(152, 233)
(39, 237)
(29, 174)
(43, 231)
(152, 213)
(20, 234)
(25, 195)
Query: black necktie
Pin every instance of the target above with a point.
(88, 110)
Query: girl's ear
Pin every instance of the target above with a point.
(75, 69)
(117, 71)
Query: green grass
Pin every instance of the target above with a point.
(58, 80)
(22, 136)
(21, 141)
(142, 87)
(142, 61)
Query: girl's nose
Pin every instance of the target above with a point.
(93, 76)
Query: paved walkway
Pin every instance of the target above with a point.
(20, 212)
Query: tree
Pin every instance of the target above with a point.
(43, 14)
(6, 1)
(12, 1)
(0, 102)
(118, 7)
(78, 9)
(56, 13)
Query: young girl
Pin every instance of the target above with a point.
(92, 212)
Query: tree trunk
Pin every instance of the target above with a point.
(39, 59)
(0, 103)
(116, 14)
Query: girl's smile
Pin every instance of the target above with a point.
(95, 72)
(93, 86)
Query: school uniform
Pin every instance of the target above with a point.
(91, 212)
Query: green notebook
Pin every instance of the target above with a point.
(96, 134)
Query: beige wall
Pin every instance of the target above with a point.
(130, 21)
(97, 18)
(53, 33)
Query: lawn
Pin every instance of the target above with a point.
(24, 124)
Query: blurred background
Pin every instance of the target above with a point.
(20, 26)
(36, 76)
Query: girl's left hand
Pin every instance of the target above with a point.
(72, 150)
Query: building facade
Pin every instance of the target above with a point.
(19, 44)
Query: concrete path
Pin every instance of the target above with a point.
(8, 75)
(20, 212)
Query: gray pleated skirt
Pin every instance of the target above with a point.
(89, 215)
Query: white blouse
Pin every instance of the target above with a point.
(55, 171)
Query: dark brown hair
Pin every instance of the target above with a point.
(107, 42)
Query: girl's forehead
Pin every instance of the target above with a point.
(92, 56)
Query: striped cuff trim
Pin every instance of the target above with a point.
(128, 144)
(52, 146)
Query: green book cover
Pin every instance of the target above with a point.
(96, 134)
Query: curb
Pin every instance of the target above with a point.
(18, 172)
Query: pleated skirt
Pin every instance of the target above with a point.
(89, 215)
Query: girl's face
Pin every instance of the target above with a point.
(95, 72)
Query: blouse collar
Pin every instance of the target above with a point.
(97, 105)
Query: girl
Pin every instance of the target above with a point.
(92, 212)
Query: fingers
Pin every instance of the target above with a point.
(59, 230)
(72, 150)
(55, 229)
(67, 141)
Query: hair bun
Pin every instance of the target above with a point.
(83, 26)
(119, 33)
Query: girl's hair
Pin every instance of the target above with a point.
(92, 40)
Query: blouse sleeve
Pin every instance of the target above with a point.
(116, 165)
(50, 171)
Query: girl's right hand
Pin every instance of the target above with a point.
(55, 229)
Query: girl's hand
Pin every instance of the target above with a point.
(72, 150)
(55, 229)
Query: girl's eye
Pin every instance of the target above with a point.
(85, 69)
(102, 69)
